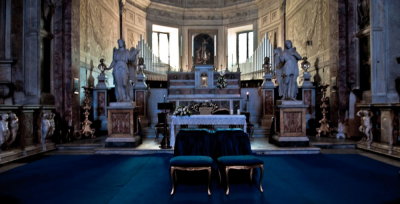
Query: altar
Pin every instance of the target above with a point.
(206, 120)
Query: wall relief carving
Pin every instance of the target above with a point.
(311, 23)
(99, 28)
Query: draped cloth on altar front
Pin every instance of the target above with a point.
(206, 120)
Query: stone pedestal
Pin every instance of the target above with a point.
(121, 125)
(292, 124)
(268, 101)
(29, 125)
(100, 101)
(102, 80)
(308, 93)
(141, 93)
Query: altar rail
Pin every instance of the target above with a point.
(253, 67)
(156, 70)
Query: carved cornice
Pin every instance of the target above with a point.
(202, 3)
(141, 4)
(161, 12)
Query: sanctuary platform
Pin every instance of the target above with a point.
(150, 145)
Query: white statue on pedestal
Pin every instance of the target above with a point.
(366, 125)
(14, 126)
(121, 57)
(287, 70)
(48, 127)
(4, 131)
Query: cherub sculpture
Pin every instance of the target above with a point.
(14, 126)
(46, 128)
(4, 131)
(366, 125)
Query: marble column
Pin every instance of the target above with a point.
(381, 72)
(31, 23)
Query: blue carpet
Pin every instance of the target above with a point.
(320, 178)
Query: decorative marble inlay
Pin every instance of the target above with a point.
(269, 102)
(292, 122)
(140, 102)
(101, 101)
(121, 123)
(264, 20)
(307, 100)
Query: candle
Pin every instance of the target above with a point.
(247, 95)
(164, 97)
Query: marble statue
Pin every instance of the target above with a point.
(267, 65)
(366, 125)
(52, 125)
(14, 126)
(141, 65)
(102, 66)
(121, 58)
(48, 127)
(289, 71)
(4, 131)
(278, 69)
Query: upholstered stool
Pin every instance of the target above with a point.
(190, 163)
(246, 162)
(233, 151)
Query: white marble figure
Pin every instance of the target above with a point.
(267, 65)
(289, 71)
(278, 69)
(46, 127)
(366, 125)
(52, 125)
(121, 57)
(14, 126)
(4, 131)
(341, 131)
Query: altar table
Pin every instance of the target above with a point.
(206, 120)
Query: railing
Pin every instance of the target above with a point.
(155, 68)
(253, 67)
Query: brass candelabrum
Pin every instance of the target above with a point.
(86, 129)
(324, 127)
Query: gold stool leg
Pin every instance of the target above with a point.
(261, 177)
(227, 180)
(172, 172)
(219, 174)
(209, 180)
(251, 175)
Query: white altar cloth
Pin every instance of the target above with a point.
(206, 120)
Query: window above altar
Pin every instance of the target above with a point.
(240, 44)
(165, 45)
